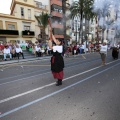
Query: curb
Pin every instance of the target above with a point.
(23, 60)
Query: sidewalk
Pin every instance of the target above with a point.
(24, 60)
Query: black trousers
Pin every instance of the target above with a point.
(18, 54)
(38, 54)
(13, 55)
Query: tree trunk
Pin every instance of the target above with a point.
(97, 30)
(81, 26)
(43, 35)
(103, 30)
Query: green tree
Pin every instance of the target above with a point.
(43, 22)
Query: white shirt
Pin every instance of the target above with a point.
(37, 49)
(6, 51)
(103, 49)
(48, 48)
(26, 44)
(82, 46)
(58, 49)
(18, 50)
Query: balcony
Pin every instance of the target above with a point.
(9, 33)
(56, 2)
(57, 14)
(56, 25)
(59, 36)
(57, 31)
(28, 34)
(68, 27)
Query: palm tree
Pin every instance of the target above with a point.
(43, 22)
(79, 8)
(89, 15)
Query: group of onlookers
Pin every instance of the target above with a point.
(75, 49)
(12, 51)
(38, 49)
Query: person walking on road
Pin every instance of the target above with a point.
(103, 52)
(115, 52)
(57, 62)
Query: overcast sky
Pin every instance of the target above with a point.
(5, 6)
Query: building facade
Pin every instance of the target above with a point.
(57, 18)
(21, 25)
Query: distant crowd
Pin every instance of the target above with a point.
(15, 50)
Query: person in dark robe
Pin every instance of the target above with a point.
(115, 52)
(57, 62)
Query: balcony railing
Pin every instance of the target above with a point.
(57, 25)
(57, 2)
(59, 36)
(27, 33)
(57, 14)
(10, 33)
(57, 31)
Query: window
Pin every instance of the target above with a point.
(26, 27)
(39, 4)
(11, 27)
(22, 12)
(1, 25)
(91, 29)
(29, 13)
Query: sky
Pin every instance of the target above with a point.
(5, 6)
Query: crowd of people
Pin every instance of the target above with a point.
(13, 51)
(75, 49)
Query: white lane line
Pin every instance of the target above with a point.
(54, 93)
(36, 72)
(34, 90)
(83, 56)
(41, 73)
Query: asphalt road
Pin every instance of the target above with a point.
(90, 91)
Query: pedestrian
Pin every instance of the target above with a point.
(115, 52)
(57, 62)
(103, 52)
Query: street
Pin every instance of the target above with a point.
(90, 91)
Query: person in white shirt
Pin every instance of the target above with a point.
(38, 50)
(19, 51)
(103, 52)
(6, 52)
(49, 50)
